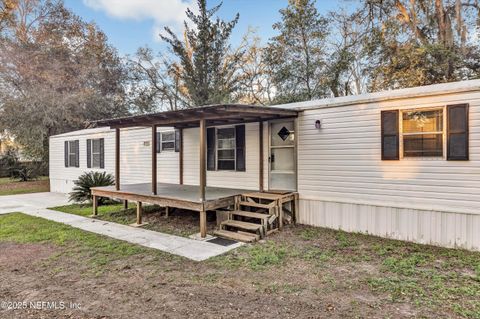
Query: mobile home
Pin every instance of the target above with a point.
(401, 164)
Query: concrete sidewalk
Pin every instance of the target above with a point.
(36, 205)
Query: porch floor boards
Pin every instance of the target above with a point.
(173, 195)
(175, 191)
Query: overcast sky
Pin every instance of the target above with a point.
(130, 24)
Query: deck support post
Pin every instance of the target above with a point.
(203, 148)
(117, 159)
(139, 213)
(166, 211)
(154, 159)
(125, 204)
(260, 152)
(94, 205)
(203, 223)
(180, 158)
(203, 177)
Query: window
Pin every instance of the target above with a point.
(226, 148)
(441, 132)
(167, 141)
(422, 133)
(95, 153)
(71, 151)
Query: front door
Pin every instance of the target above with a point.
(282, 172)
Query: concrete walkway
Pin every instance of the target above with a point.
(36, 205)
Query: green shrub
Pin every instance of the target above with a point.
(24, 173)
(81, 191)
(16, 169)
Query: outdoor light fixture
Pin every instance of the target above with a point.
(318, 124)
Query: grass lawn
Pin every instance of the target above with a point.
(13, 187)
(180, 223)
(301, 272)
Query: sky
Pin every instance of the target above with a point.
(130, 24)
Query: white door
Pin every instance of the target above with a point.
(282, 173)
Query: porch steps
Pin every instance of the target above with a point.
(258, 205)
(256, 215)
(249, 214)
(242, 225)
(238, 236)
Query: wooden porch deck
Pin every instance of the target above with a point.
(173, 195)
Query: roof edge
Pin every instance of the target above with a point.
(389, 95)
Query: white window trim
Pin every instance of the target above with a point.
(234, 148)
(99, 153)
(167, 141)
(70, 153)
(444, 126)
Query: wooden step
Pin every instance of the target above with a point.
(253, 204)
(264, 195)
(249, 214)
(244, 237)
(242, 225)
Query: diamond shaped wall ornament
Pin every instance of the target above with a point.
(283, 133)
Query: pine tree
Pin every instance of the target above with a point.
(297, 54)
(208, 68)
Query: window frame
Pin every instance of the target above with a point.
(217, 149)
(70, 153)
(443, 108)
(162, 141)
(92, 153)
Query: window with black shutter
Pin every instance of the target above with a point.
(390, 135)
(226, 148)
(72, 153)
(96, 153)
(166, 141)
(178, 140)
(240, 148)
(211, 133)
(426, 132)
(457, 132)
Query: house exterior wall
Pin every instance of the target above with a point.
(342, 181)
(249, 179)
(135, 159)
(344, 184)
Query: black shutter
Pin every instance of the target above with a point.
(102, 153)
(65, 152)
(178, 140)
(390, 135)
(211, 149)
(77, 153)
(159, 142)
(457, 132)
(89, 153)
(240, 145)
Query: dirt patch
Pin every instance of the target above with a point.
(300, 273)
(15, 256)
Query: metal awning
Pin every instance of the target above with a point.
(222, 114)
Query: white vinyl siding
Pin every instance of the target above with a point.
(135, 159)
(342, 160)
(224, 178)
(342, 179)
